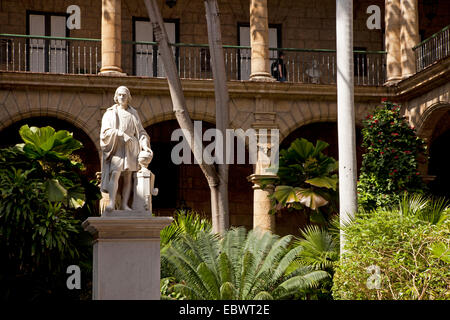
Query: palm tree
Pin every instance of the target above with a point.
(239, 266)
(307, 180)
(432, 210)
(319, 251)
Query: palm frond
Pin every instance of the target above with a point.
(209, 280)
(263, 295)
(228, 291)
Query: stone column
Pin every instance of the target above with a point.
(409, 36)
(111, 38)
(393, 21)
(262, 218)
(259, 41)
(126, 262)
(266, 140)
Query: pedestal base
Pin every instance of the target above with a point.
(126, 255)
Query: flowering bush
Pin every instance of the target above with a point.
(389, 166)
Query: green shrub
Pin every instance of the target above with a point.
(43, 199)
(307, 180)
(390, 165)
(409, 252)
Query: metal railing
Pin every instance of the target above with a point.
(432, 49)
(83, 56)
(49, 54)
(316, 66)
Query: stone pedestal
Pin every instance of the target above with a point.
(126, 262)
(144, 190)
(262, 219)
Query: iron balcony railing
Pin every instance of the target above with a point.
(83, 56)
(49, 54)
(432, 49)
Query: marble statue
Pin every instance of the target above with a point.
(125, 149)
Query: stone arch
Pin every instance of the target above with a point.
(79, 109)
(10, 135)
(187, 184)
(158, 108)
(430, 118)
(305, 112)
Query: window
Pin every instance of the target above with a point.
(47, 55)
(146, 56)
(245, 54)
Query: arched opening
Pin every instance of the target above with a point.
(438, 162)
(185, 186)
(289, 222)
(325, 131)
(88, 153)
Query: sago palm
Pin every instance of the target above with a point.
(240, 266)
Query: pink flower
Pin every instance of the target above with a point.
(395, 134)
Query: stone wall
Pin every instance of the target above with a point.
(82, 99)
(304, 23)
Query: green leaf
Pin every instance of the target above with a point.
(323, 182)
(55, 191)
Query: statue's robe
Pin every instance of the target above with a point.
(120, 153)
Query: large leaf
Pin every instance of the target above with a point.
(55, 191)
(302, 147)
(285, 194)
(323, 182)
(45, 141)
(310, 198)
(42, 138)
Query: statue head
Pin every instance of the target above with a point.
(122, 96)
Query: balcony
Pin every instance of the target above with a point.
(433, 49)
(62, 55)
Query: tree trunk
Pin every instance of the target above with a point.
(222, 102)
(346, 113)
(219, 202)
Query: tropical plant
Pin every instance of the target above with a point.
(306, 178)
(393, 255)
(185, 222)
(240, 266)
(43, 198)
(319, 251)
(426, 208)
(390, 165)
(50, 153)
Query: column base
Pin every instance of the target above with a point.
(262, 77)
(126, 264)
(111, 71)
(392, 82)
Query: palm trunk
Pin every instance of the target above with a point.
(218, 202)
(346, 112)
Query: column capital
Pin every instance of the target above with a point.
(257, 180)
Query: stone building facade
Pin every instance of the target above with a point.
(79, 88)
